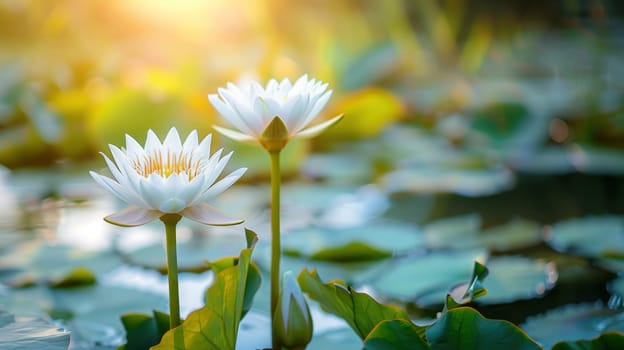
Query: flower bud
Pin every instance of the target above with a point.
(292, 322)
(275, 135)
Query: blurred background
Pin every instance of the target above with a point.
(518, 77)
(468, 124)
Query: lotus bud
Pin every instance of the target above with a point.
(292, 321)
(275, 136)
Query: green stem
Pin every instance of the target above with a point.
(170, 221)
(275, 238)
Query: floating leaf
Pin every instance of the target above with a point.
(341, 168)
(464, 328)
(215, 326)
(367, 242)
(78, 277)
(192, 253)
(573, 322)
(592, 236)
(39, 262)
(27, 333)
(454, 232)
(352, 271)
(426, 279)
(359, 310)
(92, 313)
(354, 251)
(513, 278)
(436, 179)
(463, 232)
(564, 160)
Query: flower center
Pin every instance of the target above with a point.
(167, 164)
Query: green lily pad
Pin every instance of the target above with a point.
(29, 333)
(93, 313)
(192, 253)
(35, 262)
(380, 237)
(439, 179)
(339, 168)
(573, 322)
(564, 160)
(454, 232)
(515, 278)
(427, 278)
(465, 232)
(355, 272)
(599, 237)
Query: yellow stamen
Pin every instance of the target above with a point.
(167, 164)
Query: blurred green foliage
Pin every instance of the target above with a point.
(77, 75)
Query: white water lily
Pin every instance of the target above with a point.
(167, 178)
(284, 107)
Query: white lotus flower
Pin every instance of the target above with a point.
(274, 114)
(167, 178)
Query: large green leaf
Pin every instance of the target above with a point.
(28, 333)
(395, 335)
(606, 341)
(464, 328)
(143, 330)
(215, 326)
(359, 310)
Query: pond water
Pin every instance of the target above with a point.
(553, 244)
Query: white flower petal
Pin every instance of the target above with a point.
(172, 141)
(318, 105)
(234, 135)
(244, 110)
(222, 185)
(317, 129)
(208, 215)
(112, 186)
(215, 166)
(227, 112)
(191, 142)
(132, 216)
(133, 148)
